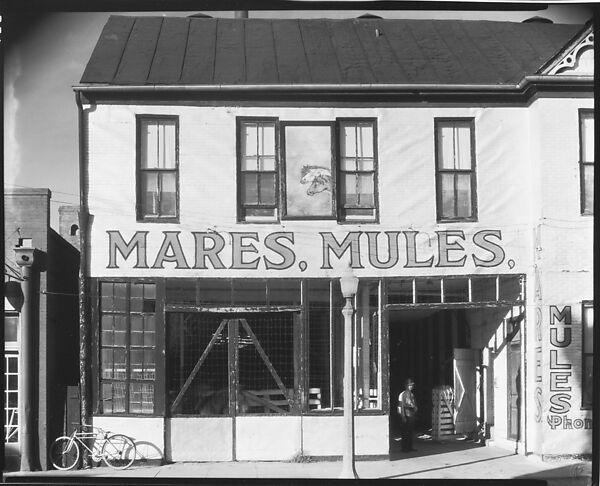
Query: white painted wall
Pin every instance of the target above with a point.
(146, 432)
(199, 439)
(207, 161)
(269, 438)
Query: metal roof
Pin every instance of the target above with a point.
(181, 51)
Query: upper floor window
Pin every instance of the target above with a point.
(157, 178)
(588, 353)
(455, 169)
(258, 167)
(357, 169)
(586, 160)
(289, 170)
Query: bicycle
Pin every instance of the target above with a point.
(116, 450)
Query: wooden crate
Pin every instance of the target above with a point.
(442, 415)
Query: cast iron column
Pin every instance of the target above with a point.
(28, 361)
(348, 471)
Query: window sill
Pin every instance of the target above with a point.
(169, 219)
(458, 220)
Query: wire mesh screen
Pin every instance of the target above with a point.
(266, 363)
(197, 364)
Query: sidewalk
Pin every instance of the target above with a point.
(431, 461)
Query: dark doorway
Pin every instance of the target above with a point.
(513, 362)
(421, 347)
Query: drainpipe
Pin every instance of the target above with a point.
(84, 319)
(28, 389)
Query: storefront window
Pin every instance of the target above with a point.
(127, 347)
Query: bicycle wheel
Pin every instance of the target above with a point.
(64, 453)
(118, 451)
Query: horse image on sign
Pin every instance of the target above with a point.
(318, 177)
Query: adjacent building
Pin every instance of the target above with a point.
(233, 168)
(40, 330)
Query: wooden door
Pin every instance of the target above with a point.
(513, 363)
(465, 412)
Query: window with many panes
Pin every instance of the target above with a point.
(157, 180)
(307, 170)
(588, 352)
(357, 169)
(455, 169)
(258, 169)
(127, 347)
(586, 160)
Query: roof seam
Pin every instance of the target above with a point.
(275, 52)
(304, 51)
(362, 47)
(333, 45)
(187, 40)
(116, 74)
(162, 21)
(393, 51)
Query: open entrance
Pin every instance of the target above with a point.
(448, 353)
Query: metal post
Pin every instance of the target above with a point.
(28, 362)
(348, 471)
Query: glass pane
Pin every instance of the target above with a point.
(214, 291)
(147, 398)
(267, 164)
(135, 398)
(11, 325)
(284, 292)
(456, 290)
(249, 189)
(149, 323)
(149, 364)
(168, 196)
(136, 357)
(428, 290)
(510, 287)
(149, 193)
(308, 171)
(137, 338)
(483, 289)
(107, 338)
(120, 338)
(120, 364)
(118, 397)
(463, 195)
(588, 188)
(365, 140)
(400, 291)
(250, 292)
(158, 145)
(348, 141)
(137, 290)
(149, 338)
(106, 363)
(106, 291)
(120, 297)
(266, 139)
(588, 329)
(149, 291)
(249, 139)
(137, 323)
(120, 323)
(349, 190)
(107, 399)
(366, 164)
(107, 323)
(348, 164)
(267, 188)
(447, 199)
(250, 162)
(366, 188)
(587, 137)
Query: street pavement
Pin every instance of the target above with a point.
(432, 460)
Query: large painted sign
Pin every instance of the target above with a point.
(278, 251)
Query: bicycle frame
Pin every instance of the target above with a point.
(82, 437)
